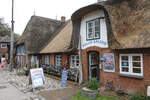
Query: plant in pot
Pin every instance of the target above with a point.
(91, 89)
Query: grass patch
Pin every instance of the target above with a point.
(79, 97)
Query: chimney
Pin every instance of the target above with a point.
(63, 18)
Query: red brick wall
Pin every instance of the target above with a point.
(42, 59)
(125, 82)
(52, 59)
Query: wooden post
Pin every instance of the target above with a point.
(12, 38)
(80, 62)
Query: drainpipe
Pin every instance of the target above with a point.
(80, 62)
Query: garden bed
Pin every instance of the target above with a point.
(79, 97)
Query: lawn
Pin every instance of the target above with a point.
(79, 97)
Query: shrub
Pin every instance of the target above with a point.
(139, 97)
(92, 84)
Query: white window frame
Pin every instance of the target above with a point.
(75, 64)
(58, 60)
(3, 45)
(46, 59)
(93, 29)
(131, 64)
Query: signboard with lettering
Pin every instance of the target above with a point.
(37, 77)
(64, 77)
(109, 63)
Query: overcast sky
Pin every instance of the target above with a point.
(24, 9)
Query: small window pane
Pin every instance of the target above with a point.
(90, 30)
(97, 34)
(136, 64)
(97, 22)
(90, 35)
(125, 69)
(136, 58)
(124, 58)
(125, 64)
(89, 24)
(97, 29)
(136, 70)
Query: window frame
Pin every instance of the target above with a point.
(95, 38)
(60, 56)
(75, 60)
(130, 61)
(3, 44)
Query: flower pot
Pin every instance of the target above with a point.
(88, 93)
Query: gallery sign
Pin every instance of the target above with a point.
(37, 77)
(109, 63)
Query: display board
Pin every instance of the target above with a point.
(64, 77)
(37, 77)
(109, 63)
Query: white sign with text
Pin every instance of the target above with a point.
(37, 77)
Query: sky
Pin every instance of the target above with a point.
(24, 9)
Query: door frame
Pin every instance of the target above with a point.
(97, 65)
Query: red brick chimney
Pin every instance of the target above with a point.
(63, 18)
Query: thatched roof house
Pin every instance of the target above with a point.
(38, 32)
(61, 42)
(128, 22)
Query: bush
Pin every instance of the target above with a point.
(139, 97)
(92, 84)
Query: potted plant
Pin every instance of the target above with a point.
(91, 89)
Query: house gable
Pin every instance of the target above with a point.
(101, 41)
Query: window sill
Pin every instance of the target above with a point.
(131, 76)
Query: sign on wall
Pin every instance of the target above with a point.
(109, 63)
(37, 77)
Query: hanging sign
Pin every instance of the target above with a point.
(102, 59)
(37, 77)
(109, 63)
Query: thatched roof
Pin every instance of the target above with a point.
(38, 32)
(5, 39)
(61, 42)
(128, 22)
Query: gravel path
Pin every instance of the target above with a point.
(21, 83)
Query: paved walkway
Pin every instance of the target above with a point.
(9, 92)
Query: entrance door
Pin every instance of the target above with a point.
(93, 59)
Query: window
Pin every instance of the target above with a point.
(93, 29)
(47, 59)
(131, 64)
(58, 60)
(3, 46)
(74, 61)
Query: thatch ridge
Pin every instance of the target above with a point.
(61, 42)
(38, 32)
